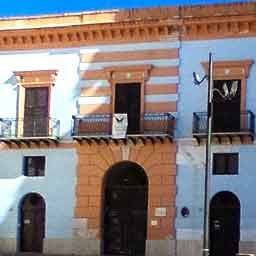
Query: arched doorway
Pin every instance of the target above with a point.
(32, 223)
(224, 224)
(125, 210)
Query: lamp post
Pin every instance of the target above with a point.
(208, 158)
(227, 94)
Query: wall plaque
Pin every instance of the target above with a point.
(160, 212)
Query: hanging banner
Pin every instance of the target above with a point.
(119, 125)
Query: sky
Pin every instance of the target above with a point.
(40, 7)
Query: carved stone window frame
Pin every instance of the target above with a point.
(32, 79)
(128, 75)
(232, 70)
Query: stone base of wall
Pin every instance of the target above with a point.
(160, 247)
(57, 246)
(86, 247)
(194, 247)
(91, 247)
(189, 247)
(8, 245)
(75, 246)
(247, 247)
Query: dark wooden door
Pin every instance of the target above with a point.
(125, 223)
(224, 225)
(127, 100)
(125, 216)
(32, 227)
(36, 112)
(226, 112)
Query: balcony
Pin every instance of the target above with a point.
(13, 130)
(231, 126)
(149, 125)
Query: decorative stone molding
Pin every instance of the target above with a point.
(36, 78)
(218, 27)
(230, 69)
(76, 36)
(128, 74)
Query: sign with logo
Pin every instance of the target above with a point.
(119, 125)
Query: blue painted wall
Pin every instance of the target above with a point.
(191, 157)
(194, 98)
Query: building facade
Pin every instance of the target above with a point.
(228, 35)
(70, 184)
(103, 131)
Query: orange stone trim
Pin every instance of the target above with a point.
(161, 89)
(101, 74)
(161, 107)
(87, 109)
(82, 35)
(219, 27)
(159, 163)
(94, 91)
(35, 78)
(229, 70)
(239, 68)
(130, 55)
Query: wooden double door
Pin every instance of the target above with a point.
(36, 112)
(125, 215)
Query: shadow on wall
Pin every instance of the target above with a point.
(9, 189)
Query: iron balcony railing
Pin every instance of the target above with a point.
(224, 122)
(29, 127)
(101, 125)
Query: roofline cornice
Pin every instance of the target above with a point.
(133, 25)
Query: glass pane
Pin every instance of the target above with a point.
(34, 166)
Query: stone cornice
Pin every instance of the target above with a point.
(218, 27)
(134, 25)
(76, 36)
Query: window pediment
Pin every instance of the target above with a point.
(229, 69)
(36, 78)
(128, 74)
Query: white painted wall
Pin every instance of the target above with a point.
(57, 188)
(64, 93)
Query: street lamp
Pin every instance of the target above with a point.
(226, 94)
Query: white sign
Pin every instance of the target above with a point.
(154, 222)
(119, 125)
(26, 221)
(160, 212)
